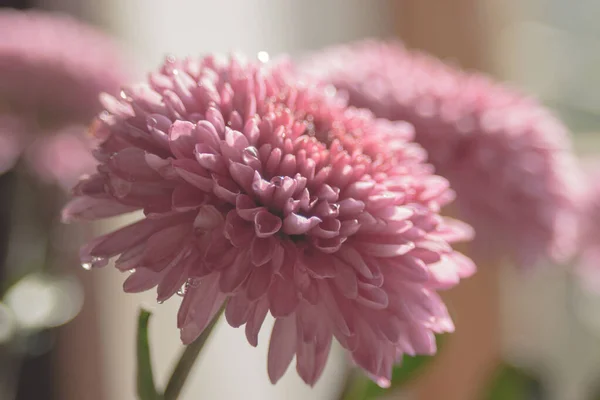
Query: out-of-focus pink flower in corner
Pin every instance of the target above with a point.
(55, 67)
(52, 71)
(508, 158)
(268, 194)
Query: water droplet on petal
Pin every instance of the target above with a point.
(263, 56)
(181, 291)
(170, 64)
(383, 383)
(194, 282)
(104, 117)
(94, 262)
(161, 301)
(277, 180)
(152, 122)
(251, 151)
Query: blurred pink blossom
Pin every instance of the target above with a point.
(52, 70)
(507, 157)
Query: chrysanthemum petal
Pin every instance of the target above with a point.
(282, 347)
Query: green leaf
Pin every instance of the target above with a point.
(362, 388)
(145, 378)
(512, 383)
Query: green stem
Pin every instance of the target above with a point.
(186, 361)
(145, 378)
(355, 387)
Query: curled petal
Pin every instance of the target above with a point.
(246, 207)
(182, 139)
(225, 188)
(266, 224)
(295, 224)
(208, 218)
(209, 160)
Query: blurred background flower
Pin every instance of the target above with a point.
(52, 70)
(509, 159)
(516, 177)
(53, 66)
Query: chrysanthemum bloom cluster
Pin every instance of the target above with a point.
(588, 267)
(52, 69)
(508, 158)
(269, 195)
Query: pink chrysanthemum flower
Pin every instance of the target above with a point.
(52, 69)
(270, 195)
(508, 158)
